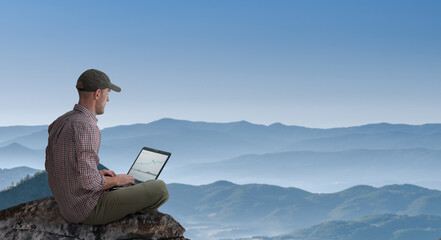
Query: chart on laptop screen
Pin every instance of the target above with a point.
(147, 166)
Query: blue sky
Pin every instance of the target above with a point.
(310, 63)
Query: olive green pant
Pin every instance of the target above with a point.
(114, 205)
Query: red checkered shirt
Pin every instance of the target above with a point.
(72, 161)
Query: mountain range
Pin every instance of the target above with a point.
(230, 210)
(226, 210)
(325, 177)
(318, 160)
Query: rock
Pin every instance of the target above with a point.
(41, 219)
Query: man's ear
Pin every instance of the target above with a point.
(97, 94)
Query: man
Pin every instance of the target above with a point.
(80, 190)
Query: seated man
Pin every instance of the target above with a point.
(80, 190)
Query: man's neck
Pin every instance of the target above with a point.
(90, 106)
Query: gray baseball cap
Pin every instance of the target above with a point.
(93, 79)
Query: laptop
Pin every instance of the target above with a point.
(148, 165)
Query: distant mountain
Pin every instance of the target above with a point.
(14, 175)
(34, 140)
(11, 132)
(319, 171)
(15, 154)
(37, 187)
(374, 140)
(378, 227)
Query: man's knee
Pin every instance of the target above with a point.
(157, 189)
(157, 194)
(163, 191)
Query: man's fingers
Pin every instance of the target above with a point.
(109, 173)
(126, 179)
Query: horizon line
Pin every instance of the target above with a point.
(238, 121)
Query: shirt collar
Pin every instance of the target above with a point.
(86, 111)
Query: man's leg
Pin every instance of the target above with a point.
(117, 204)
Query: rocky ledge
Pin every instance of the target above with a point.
(41, 219)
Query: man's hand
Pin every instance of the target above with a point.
(117, 180)
(108, 173)
(124, 179)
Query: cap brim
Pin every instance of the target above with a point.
(115, 88)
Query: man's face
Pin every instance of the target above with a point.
(102, 100)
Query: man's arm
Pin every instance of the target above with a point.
(86, 138)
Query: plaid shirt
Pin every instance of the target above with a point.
(72, 161)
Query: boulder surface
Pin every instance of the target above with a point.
(41, 219)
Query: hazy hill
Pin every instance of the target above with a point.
(34, 188)
(378, 227)
(14, 175)
(319, 171)
(34, 140)
(375, 140)
(11, 132)
(37, 187)
(15, 155)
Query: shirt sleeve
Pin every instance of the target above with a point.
(87, 142)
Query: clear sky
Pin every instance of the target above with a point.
(309, 63)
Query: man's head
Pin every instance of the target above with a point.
(93, 88)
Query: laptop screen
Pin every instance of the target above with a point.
(148, 165)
